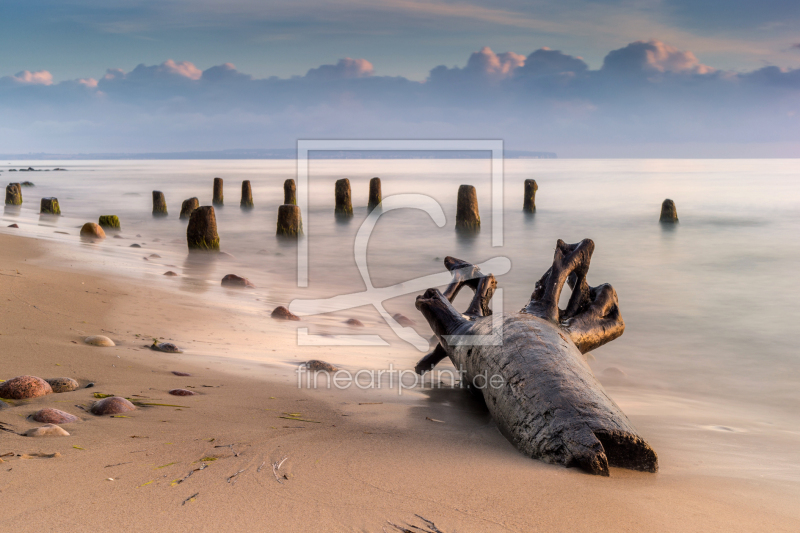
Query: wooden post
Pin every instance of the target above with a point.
(529, 201)
(218, 198)
(468, 219)
(669, 214)
(289, 192)
(290, 221)
(202, 231)
(187, 207)
(13, 194)
(374, 194)
(49, 206)
(159, 204)
(247, 195)
(344, 203)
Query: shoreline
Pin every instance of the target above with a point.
(352, 465)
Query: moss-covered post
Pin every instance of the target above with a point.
(247, 195)
(110, 222)
(468, 219)
(669, 214)
(202, 231)
(218, 198)
(13, 194)
(374, 194)
(344, 203)
(290, 221)
(529, 201)
(159, 204)
(188, 206)
(49, 206)
(289, 192)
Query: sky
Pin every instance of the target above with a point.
(583, 78)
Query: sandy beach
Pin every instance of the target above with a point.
(354, 460)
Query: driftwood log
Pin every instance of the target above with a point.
(547, 401)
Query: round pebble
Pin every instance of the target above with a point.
(354, 322)
(182, 392)
(320, 366)
(49, 430)
(53, 416)
(63, 384)
(112, 406)
(170, 273)
(281, 313)
(22, 387)
(167, 347)
(99, 340)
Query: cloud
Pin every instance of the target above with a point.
(646, 94)
(346, 68)
(40, 77)
(653, 57)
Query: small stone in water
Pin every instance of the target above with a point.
(13, 226)
(354, 322)
(181, 373)
(403, 320)
(232, 280)
(118, 237)
(170, 273)
(99, 340)
(49, 430)
(134, 245)
(281, 313)
(154, 256)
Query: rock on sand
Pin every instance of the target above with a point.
(23, 387)
(112, 406)
(53, 416)
(99, 340)
(63, 384)
(49, 430)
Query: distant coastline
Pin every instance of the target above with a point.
(287, 153)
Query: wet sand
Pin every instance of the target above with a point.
(355, 460)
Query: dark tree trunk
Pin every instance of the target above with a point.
(530, 368)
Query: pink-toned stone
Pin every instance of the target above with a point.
(53, 416)
(403, 320)
(182, 392)
(112, 406)
(281, 313)
(354, 322)
(232, 280)
(22, 387)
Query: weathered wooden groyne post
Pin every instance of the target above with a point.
(669, 214)
(290, 221)
(110, 222)
(374, 194)
(159, 204)
(188, 206)
(49, 206)
(247, 195)
(13, 194)
(529, 200)
(344, 202)
(218, 197)
(289, 192)
(468, 219)
(201, 234)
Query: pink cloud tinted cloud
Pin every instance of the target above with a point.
(40, 77)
